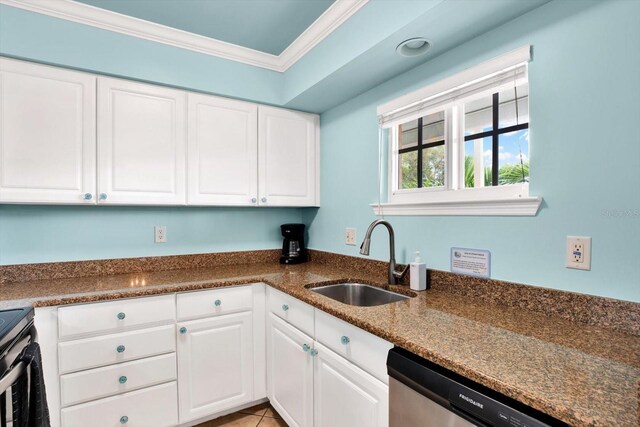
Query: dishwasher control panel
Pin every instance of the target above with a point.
(487, 409)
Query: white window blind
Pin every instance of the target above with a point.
(508, 70)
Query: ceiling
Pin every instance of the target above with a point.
(346, 52)
(265, 25)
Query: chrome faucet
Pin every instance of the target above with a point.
(394, 276)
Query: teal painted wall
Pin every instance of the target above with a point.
(585, 155)
(41, 38)
(62, 233)
(31, 234)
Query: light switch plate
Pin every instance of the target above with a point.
(578, 252)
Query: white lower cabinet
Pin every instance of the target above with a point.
(154, 406)
(312, 386)
(230, 347)
(215, 364)
(290, 372)
(345, 395)
(115, 379)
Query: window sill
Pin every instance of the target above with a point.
(520, 206)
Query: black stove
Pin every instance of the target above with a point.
(14, 324)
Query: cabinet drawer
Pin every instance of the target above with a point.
(115, 379)
(366, 350)
(155, 406)
(115, 316)
(214, 302)
(291, 309)
(109, 349)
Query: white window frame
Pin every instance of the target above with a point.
(453, 198)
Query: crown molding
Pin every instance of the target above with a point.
(332, 18)
(328, 22)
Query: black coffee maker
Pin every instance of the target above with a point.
(293, 250)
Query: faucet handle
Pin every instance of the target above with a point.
(399, 275)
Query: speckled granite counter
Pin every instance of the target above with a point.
(582, 374)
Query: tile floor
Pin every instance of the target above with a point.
(262, 415)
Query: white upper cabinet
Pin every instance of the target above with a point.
(141, 144)
(288, 157)
(222, 151)
(77, 138)
(47, 138)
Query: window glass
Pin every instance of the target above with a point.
(408, 135)
(514, 157)
(478, 115)
(477, 155)
(512, 113)
(433, 128)
(501, 153)
(422, 152)
(433, 166)
(408, 170)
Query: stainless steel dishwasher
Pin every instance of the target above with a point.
(423, 394)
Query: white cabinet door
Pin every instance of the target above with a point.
(215, 364)
(47, 138)
(288, 153)
(345, 395)
(141, 143)
(222, 151)
(290, 372)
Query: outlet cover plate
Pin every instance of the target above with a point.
(160, 233)
(350, 236)
(578, 252)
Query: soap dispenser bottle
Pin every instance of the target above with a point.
(418, 272)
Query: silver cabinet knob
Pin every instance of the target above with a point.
(122, 379)
(305, 347)
(120, 349)
(103, 196)
(344, 340)
(87, 196)
(313, 352)
(217, 303)
(253, 200)
(124, 419)
(285, 307)
(183, 330)
(121, 316)
(263, 200)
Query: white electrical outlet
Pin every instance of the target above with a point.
(350, 236)
(161, 233)
(578, 252)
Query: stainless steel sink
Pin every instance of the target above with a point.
(359, 294)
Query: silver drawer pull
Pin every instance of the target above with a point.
(120, 349)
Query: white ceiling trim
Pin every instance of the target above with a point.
(332, 18)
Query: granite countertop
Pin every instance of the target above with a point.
(581, 374)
